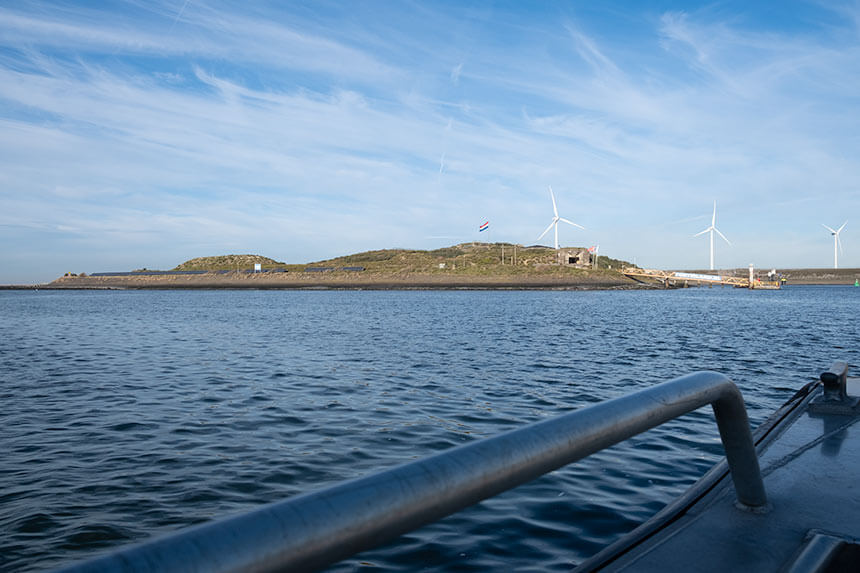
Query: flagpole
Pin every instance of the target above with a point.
(594, 250)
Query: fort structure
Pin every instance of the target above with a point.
(575, 257)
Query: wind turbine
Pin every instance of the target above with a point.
(836, 241)
(713, 229)
(555, 220)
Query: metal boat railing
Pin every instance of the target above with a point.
(316, 529)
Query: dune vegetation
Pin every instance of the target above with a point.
(482, 259)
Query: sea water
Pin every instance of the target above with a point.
(131, 414)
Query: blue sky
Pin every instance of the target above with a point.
(141, 134)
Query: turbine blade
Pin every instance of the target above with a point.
(828, 228)
(723, 236)
(703, 232)
(714, 216)
(839, 230)
(554, 209)
(839, 241)
(547, 230)
(571, 223)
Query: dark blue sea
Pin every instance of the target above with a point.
(130, 414)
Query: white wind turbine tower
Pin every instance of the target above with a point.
(555, 220)
(836, 242)
(712, 229)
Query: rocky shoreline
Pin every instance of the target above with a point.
(339, 280)
(345, 281)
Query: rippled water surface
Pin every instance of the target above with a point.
(131, 414)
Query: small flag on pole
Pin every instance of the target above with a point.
(592, 248)
(484, 227)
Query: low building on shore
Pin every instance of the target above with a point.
(573, 257)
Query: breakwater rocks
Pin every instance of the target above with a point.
(348, 281)
(548, 277)
(822, 276)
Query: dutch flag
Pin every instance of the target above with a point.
(484, 227)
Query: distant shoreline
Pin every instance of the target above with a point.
(384, 281)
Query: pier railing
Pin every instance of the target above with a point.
(316, 529)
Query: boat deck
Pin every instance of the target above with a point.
(801, 512)
(811, 471)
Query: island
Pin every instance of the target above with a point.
(463, 266)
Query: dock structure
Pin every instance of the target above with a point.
(675, 279)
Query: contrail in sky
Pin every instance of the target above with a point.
(178, 16)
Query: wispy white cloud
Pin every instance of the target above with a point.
(601, 66)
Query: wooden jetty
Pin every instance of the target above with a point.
(678, 279)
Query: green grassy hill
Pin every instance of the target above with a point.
(497, 259)
(466, 258)
(227, 262)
